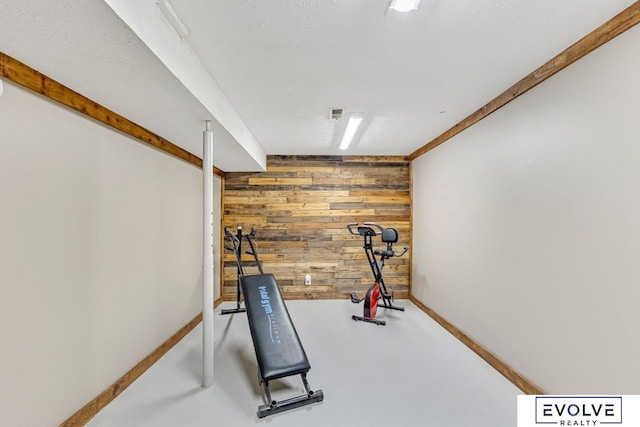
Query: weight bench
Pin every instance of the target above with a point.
(278, 348)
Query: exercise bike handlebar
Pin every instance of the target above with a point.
(355, 225)
(350, 228)
(404, 251)
(378, 226)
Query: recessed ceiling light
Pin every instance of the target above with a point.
(404, 5)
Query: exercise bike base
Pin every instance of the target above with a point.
(362, 319)
(392, 307)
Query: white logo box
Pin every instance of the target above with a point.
(578, 410)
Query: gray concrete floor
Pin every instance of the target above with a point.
(409, 372)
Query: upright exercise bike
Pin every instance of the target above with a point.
(378, 290)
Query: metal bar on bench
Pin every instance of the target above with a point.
(275, 407)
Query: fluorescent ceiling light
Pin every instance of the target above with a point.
(404, 5)
(350, 131)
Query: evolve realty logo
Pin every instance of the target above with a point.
(578, 410)
(582, 411)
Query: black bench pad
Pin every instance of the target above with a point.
(276, 342)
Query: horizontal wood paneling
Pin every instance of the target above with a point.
(300, 207)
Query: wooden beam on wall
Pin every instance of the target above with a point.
(25, 76)
(617, 25)
(88, 411)
(509, 373)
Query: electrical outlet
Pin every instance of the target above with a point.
(307, 279)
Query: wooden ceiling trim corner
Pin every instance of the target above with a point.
(25, 76)
(375, 159)
(617, 25)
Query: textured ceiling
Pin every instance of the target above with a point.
(283, 64)
(85, 46)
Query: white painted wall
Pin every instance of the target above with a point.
(100, 256)
(527, 227)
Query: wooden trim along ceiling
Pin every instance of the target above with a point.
(620, 23)
(29, 78)
(88, 411)
(601, 35)
(518, 380)
(25, 76)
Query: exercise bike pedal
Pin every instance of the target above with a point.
(355, 299)
(388, 297)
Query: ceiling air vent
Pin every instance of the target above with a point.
(335, 113)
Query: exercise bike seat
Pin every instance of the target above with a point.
(389, 235)
(386, 254)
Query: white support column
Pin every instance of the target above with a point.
(207, 259)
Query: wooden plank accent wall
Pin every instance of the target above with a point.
(300, 208)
